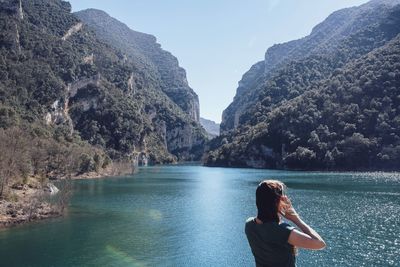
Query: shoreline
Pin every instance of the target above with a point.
(26, 204)
(304, 170)
(31, 202)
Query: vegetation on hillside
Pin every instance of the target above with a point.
(161, 68)
(75, 84)
(72, 104)
(345, 35)
(334, 111)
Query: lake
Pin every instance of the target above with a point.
(189, 215)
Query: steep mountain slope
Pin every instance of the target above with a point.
(161, 73)
(333, 108)
(333, 40)
(161, 67)
(56, 73)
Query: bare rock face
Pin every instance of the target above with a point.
(20, 10)
(177, 122)
(184, 141)
(179, 137)
(59, 112)
(74, 29)
(143, 48)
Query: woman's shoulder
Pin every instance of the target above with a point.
(250, 225)
(250, 222)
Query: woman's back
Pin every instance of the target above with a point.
(269, 243)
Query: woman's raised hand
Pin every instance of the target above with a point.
(307, 237)
(287, 209)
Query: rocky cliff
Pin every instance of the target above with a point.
(162, 73)
(63, 76)
(161, 66)
(319, 102)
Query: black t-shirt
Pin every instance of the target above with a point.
(269, 243)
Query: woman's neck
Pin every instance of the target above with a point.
(258, 221)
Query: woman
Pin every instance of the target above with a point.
(272, 242)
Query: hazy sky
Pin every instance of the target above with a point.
(217, 41)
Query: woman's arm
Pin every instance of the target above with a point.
(308, 238)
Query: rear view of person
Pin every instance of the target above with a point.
(272, 242)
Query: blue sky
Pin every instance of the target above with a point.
(217, 41)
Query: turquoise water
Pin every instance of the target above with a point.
(194, 216)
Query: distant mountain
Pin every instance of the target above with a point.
(211, 127)
(309, 106)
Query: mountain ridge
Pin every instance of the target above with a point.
(295, 50)
(144, 47)
(256, 138)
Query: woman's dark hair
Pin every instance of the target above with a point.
(268, 199)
